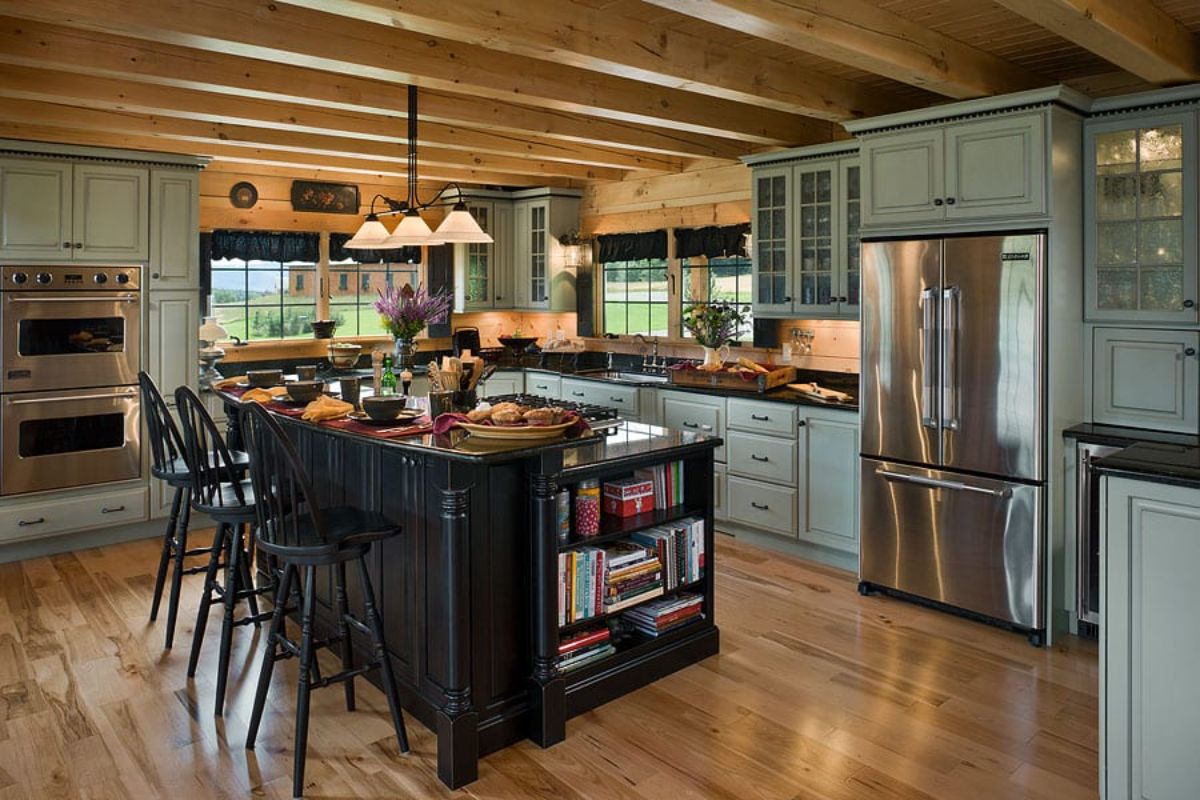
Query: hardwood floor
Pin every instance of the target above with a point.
(817, 693)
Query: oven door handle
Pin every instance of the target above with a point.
(123, 298)
(120, 396)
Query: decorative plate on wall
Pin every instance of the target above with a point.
(243, 195)
(332, 198)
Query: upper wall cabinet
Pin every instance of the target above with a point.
(1140, 210)
(542, 279)
(174, 229)
(483, 278)
(806, 237)
(80, 212)
(990, 168)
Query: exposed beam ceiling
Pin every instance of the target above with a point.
(576, 35)
(862, 35)
(1133, 34)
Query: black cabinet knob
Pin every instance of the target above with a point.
(66, 245)
(1189, 303)
(801, 423)
(949, 201)
(1191, 351)
(937, 201)
(787, 299)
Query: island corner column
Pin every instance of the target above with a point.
(549, 723)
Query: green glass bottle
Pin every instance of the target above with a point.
(387, 382)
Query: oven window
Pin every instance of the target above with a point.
(49, 437)
(59, 337)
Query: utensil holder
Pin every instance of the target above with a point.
(440, 403)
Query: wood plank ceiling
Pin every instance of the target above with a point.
(534, 92)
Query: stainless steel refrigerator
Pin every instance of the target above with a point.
(953, 472)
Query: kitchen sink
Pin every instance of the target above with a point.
(617, 376)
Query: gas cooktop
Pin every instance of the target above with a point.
(590, 412)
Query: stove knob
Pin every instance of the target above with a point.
(122, 278)
(100, 277)
(19, 278)
(43, 278)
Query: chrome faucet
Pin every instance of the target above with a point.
(650, 363)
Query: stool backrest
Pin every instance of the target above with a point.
(166, 445)
(205, 452)
(283, 494)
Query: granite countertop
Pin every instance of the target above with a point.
(1119, 436)
(1159, 462)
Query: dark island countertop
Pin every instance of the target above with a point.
(1159, 462)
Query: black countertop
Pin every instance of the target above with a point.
(1118, 436)
(1154, 461)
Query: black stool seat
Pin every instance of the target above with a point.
(175, 471)
(342, 527)
(230, 501)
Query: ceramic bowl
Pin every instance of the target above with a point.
(264, 378)
(323, 328)
(380, 407)
(344, 355)
(305, 391)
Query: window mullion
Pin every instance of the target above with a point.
(324, 286)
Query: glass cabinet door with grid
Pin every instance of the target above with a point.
(772, 240)
(816, 282)
(849, 223)
(1140, 207)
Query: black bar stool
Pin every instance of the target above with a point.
(302, 536)
(220, 491)
(168, 465)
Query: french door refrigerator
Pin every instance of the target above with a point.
(953, 473)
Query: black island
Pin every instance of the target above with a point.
(470, 590)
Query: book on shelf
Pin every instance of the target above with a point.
(659, 617)
(667, 481)
(679, 547)
(584, 648)
(580, 584)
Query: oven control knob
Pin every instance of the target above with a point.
(100, 277)
(43, 278)
(19, 278)
(122, 278)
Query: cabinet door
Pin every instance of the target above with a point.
(174, 319)
(1149, 642)
(35, 209)
(818, 245)
(996, 167)
(773, 240)
(543, 384)
(174, 229)
(111, 213)
(501, 255)
(1140, 212)
(1146, 378)
(520, 254)
(699, 416)
(849, 253)
(720, 492)
(538, 272)
(903, 178)
(502, 383)
(829, 474)
(477, 262)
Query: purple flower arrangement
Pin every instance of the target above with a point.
(406, 311)
(713, 324)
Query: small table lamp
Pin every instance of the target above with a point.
(210, 354)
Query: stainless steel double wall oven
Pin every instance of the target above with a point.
(70, 352)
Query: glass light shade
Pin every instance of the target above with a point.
(211, 331)
(459, 227)
(371, 234)
(411, 231)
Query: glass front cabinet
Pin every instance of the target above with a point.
(1141, 212)
(806, 237)
(484, 278)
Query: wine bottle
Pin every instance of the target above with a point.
(387, 381)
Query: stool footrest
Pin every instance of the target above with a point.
(344, 675)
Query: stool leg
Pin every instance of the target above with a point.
(233, 584)
(271, 654)
(181, 539)
(165, 559)
(343, 630)
(247, 579)
(381, 655)
(304, 689)
(210, 577)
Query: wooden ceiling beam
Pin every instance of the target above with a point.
(269, 30)
(1136, 35)
(115, 94)
(32, 43)
(860, 34)
(572, 33)
(202, 135)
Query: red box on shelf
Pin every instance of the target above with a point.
(628, 496)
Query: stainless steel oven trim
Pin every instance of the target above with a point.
(1085, 531)
(46, 298)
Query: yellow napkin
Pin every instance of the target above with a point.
(264, 395)
(230, 382)
(326, 407)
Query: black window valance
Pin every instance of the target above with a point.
(395, 255)
(713, 241)
(633, 246)
(265, 245)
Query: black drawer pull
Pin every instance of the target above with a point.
(690, 425)
(111, 509)
(617, 399)
(757, 457)
(763, 418)
(760, 506)
(801, 424)
(25, 523)
(540, 386)
(577, 394)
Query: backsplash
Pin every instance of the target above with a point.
(835, 343)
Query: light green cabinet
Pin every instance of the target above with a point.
(698, 413)
(35, 209)
(174, 229)
(828, 478)
(542, 278)
(904, 177)
(1146, 378)
(1150, 644)
(1141, 212)
(501, 383)
(544, 384)
(110, 215)
(483, 277)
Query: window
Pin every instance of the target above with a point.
(355, 310)
(254, 299)
(635, 297)
(719, 280)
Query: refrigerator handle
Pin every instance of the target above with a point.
(950, 378)
(938, 483)
(928, 356)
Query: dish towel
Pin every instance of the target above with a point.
(229, 383)
(263, 395)
(324, 408)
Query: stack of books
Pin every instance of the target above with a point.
(679, 547)
(581, 584)
(660, 616)
(632, 574)
(583, 648)
(667, 480)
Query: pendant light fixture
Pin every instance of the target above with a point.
(457, 227)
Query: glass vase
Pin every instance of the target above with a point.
(404, 353)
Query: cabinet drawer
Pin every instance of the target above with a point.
(48, 515)
(766, 457)
(603, 393)
(1146, 378)
(689, 415)
(543, 385)
(761, 505)
(760, 417)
